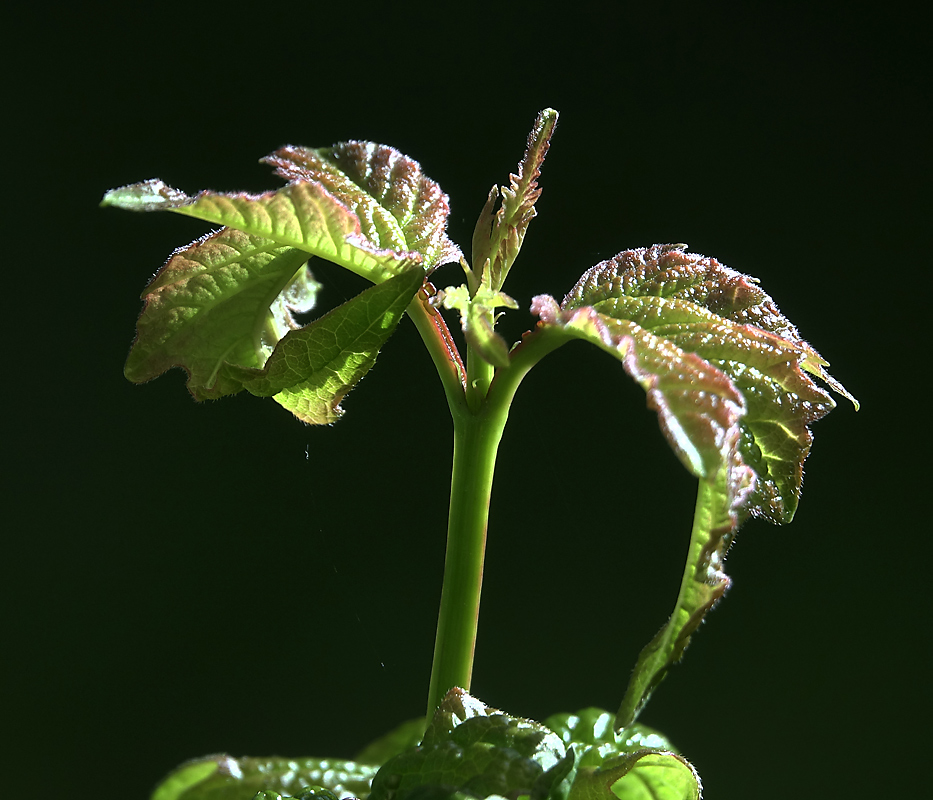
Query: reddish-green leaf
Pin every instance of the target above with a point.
(714, 354)
(498, 236)
(226, 298)
(704, 582)
(220, 306)
(302, 215)
(730, 379)
(398, 206)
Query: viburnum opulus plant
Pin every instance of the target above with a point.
(730, 378)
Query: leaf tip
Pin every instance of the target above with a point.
(546, 121)
(150, 195)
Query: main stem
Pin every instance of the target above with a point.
(476, 440)
(479, 405)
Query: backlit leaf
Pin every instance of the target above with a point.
(222, 777)
(303, 215)
(312, 368)
(730, 380)
(219, 307)
(714, 355)
(398, 206)
(226, 298)
(635, 763)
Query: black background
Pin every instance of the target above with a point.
(182, 579)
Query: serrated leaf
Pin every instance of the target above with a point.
(635, 763)
(226, 298)
(477, 318)
(398, 206)
(714, 354)
(729, 377)
(644, 775)
(211, 309)
(498, 236)
(221, 777)
(595, 727)
(312, 368)
(303, 215)
(473, 751)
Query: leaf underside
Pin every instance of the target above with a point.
(703, 584)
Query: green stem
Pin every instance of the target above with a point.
(478, 428)
(476, 441)
(479, 376)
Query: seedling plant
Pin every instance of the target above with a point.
(731, 380)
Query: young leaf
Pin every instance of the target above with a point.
(595, 727)
(303, 215)
(642, 775)
(477, 316)
(397, 205)
(474, 751)
(312, 368)
(222, 777)
(226, 298)
(498, 237)
(636, 763)
(729, 377)
(713, 352)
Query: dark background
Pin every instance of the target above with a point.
(180, 579)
